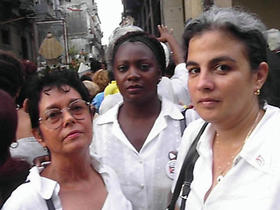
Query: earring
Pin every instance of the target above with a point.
(257, 92)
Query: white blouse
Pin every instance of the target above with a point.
(33, 194)
(253, 182)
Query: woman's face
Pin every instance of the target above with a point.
(136, 71)
(72, 135)
(221, 83)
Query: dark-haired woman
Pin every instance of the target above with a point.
(61, 121)
(139, 137)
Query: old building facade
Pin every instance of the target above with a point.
(24, 24)
(149, 13)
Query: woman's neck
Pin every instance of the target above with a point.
(143, 110)
(241, 128)
(69, 169)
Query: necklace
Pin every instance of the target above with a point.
(229, 163)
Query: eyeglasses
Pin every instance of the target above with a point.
(52, 118)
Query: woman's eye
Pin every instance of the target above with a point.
(53, 114)
(144, 66)
(193, 70)
(122, 68)
(222, 68)
(76, 108)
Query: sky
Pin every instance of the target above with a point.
(109, 12)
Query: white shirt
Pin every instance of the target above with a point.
(145, 176)
(253, 182)
(27, 149)
(174, 89)
(32, 195)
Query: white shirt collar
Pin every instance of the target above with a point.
(252, 152)
(167, 109)
(47, 187)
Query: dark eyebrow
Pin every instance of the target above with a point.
(53, 106)
(191, 63)
(213, 61)
(222, 58)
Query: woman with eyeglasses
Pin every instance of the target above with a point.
(61, 119)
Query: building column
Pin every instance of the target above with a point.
(223, 3)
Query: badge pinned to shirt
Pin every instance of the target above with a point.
(170, 166)
(260, 161)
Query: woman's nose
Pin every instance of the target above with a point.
(205, 81)
(133, 74)
(67, 117)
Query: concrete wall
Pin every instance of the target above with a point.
(173, 17)
(267, 10)
(223, 3)
(193, 8)
(16, 32)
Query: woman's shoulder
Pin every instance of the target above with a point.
(29, 195)
(23, 197)
(12, 174)
(193, 127)
(272, 110)
(271, 117)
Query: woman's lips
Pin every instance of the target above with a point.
(134, 89)
(72, 135)
(208, 102)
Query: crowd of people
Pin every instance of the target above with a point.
(130, 135)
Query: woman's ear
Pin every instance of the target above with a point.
(25, 105)
(38, 136)
(261, 75)
(159, 76)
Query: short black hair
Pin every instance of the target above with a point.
(95, 65)
(147, 39)
(11, 73)
(52, 78)
(85, 77)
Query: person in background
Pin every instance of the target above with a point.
(11, 73)
(13, 172)
(112, 87)
(238, 165)
(13, 76)
(177, 82)
(101, 79)
(61, 120)
(92, 88)
(26, 146)
(139, 137)
(95, 65)
(109, 90)
(86, 77)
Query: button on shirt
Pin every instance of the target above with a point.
(32, 194)
(145, 176)
(253, 182)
